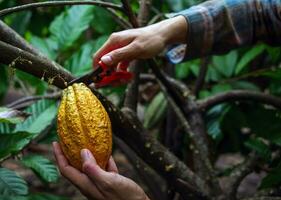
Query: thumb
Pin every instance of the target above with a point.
(127, 53)
(100, 177)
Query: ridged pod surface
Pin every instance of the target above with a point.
(83, 123)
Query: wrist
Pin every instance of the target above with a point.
(174, 30)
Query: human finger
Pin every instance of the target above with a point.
(115, 41)
(76, 177)
(111, 166)
(101, 178)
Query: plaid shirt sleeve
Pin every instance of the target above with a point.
(218, 26)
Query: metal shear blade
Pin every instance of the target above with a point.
(92, 77)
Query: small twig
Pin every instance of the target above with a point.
(24, 89)
(128, 10)
(147, 78)
(239, 173)
(156, 18)
(58, 3)
(18, 103)
(201, 77)
(120, 20)
(239, 95)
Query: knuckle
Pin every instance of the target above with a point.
(114, 36)
(107, 186)
(118, 54)
(138, 46)
(87, 166)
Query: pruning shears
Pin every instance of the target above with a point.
(102, 75)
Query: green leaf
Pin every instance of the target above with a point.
(213, 74)
(231, 125)
(275, 87)
(43, 113)
(194, 66)
(81, 62)
(182, 70)
(265, 123)
(274, 52)
(50, 136)
(20, 21)
(220, 88)
(244, 85)
(226, 64)
(9, 115)
(273, 74)
(214, 118)
(272, 179)
(11, 183)
(257, 145)
(44, 196)
(45, 46)
(103, 22)
(6, 128)
(155, 110)
(39, 196)
(9, 197)
(11, 143)
(33, 81)
(248, 57)
(69, 26)
(43, 167)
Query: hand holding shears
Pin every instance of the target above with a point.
(102, 75)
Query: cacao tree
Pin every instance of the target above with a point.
(176, 124)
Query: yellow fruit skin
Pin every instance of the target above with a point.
(83, 123)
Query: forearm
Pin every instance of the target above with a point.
(218, 26)
(173, 30)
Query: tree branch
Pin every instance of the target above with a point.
(35, 65)
(149, 177)
(239, 95)
(131, 98)
(192, 122)
(58, 3)
(9, 36)
(201, 77)
(155, 154)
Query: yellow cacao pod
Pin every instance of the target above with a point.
(83, 123)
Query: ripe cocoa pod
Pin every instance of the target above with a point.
(83, 123)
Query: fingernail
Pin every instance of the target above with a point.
(106, 60)
(86, 155)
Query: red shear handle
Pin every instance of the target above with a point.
(114, 78)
